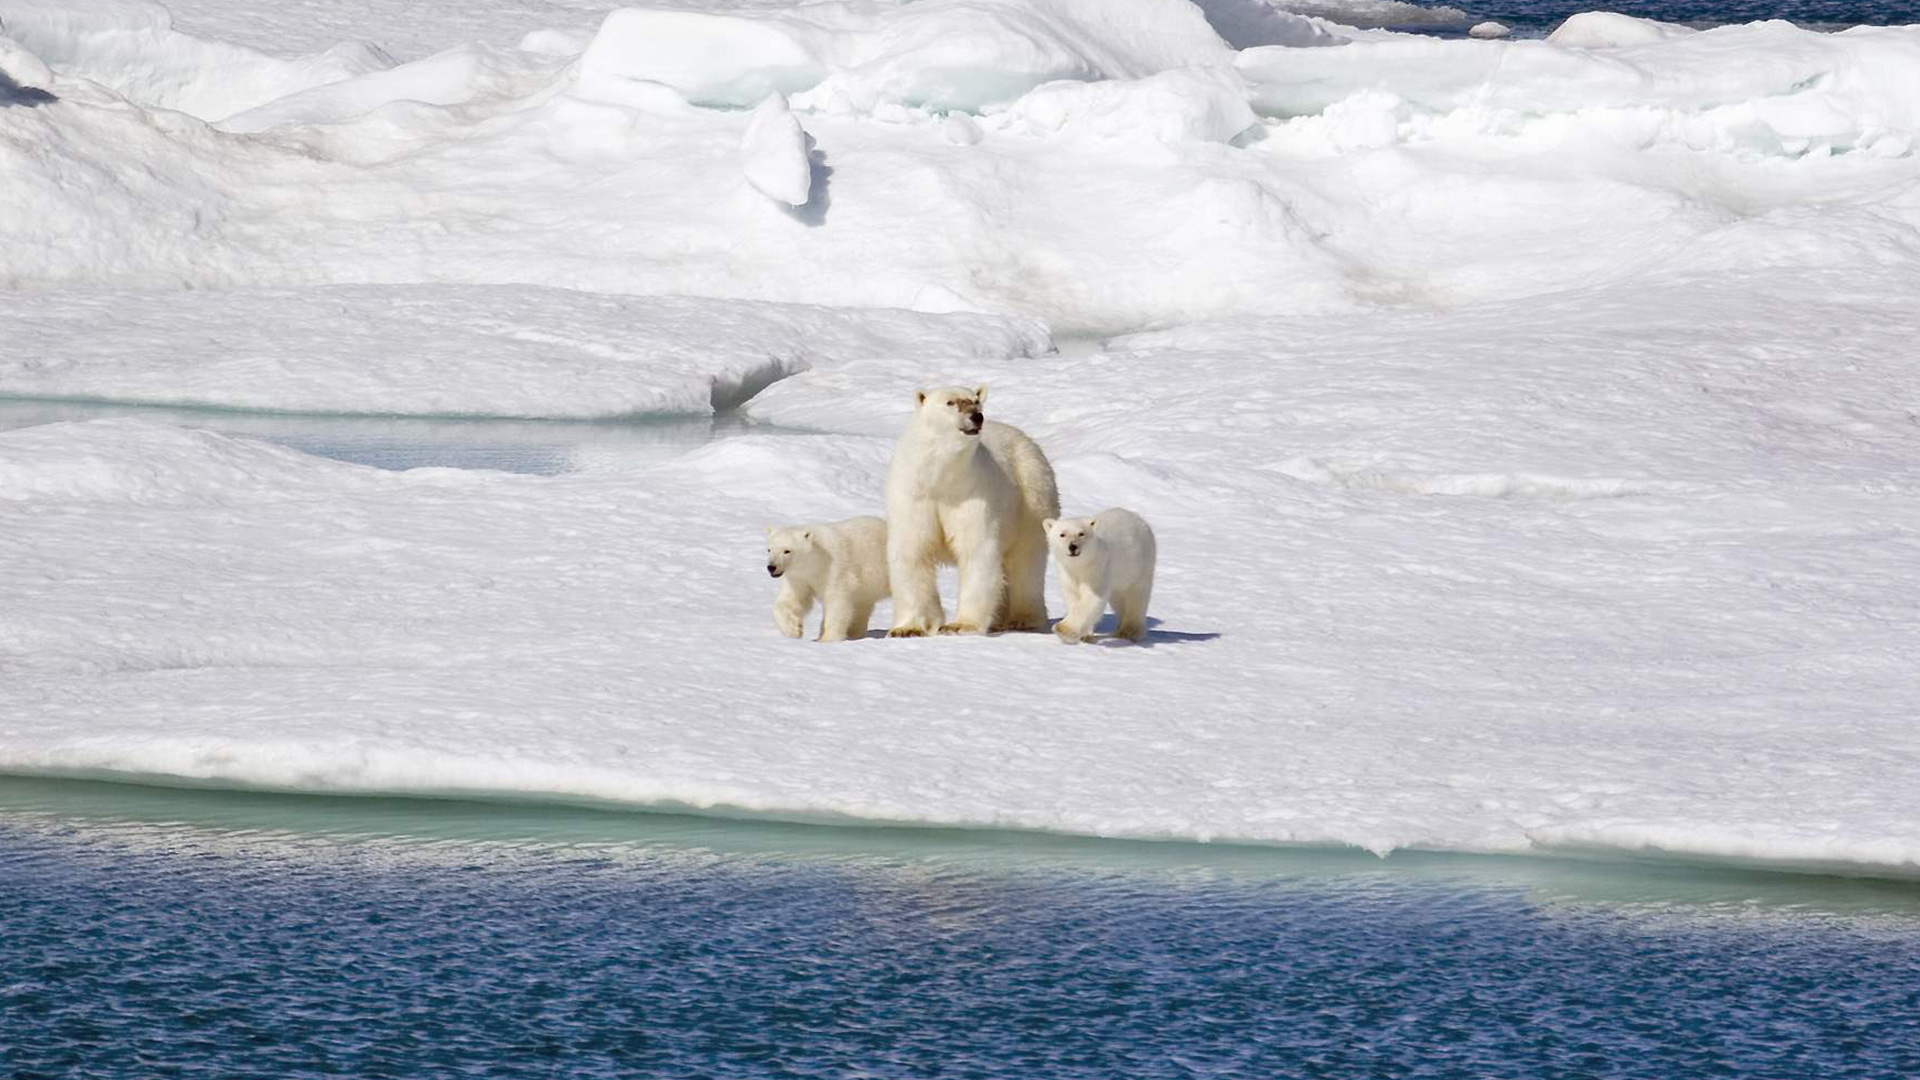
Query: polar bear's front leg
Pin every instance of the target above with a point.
(911, 578)
(1085, 605)
(790, 608)
(983, 586)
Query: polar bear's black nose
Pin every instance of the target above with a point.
(975, 418)
(772, 570)
(1073, 549)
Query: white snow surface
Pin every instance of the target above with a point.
(490, 350)
(1500, 581)
(1529, 426)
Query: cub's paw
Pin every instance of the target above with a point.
(958, 627)
(1070, 634)
(907, 631)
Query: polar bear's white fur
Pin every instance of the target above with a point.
(843, 564)
(1104, 558)
(971, 492)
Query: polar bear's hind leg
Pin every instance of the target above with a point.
(1026, 604)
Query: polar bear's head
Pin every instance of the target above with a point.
(1070, 538)
(788, 548)
(953, 408)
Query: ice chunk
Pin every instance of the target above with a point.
(1339, 15)
(774, 153)
(1489, 29)
(1245, 24)
(551, 42)
(20, 68)
(1611, 30)
(710, 59)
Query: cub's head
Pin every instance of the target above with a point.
(952, 408)
(1070, 538)
(786, 548)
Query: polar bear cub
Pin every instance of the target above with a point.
(966, 491)
(1106, 558)
(843, 564)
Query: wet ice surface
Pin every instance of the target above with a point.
(539, 447)
(194, 934)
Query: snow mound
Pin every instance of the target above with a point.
(1189, 105)
(935, 54)
(456, 76)
(148, 464)
(437, 350)
(131, 47)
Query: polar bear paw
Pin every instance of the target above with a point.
(959, 627)
(1071, 634)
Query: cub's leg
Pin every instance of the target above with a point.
(1131, 607)
(1085, 605)
(790, 608)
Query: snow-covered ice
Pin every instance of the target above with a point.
(1529, 426)
(488, 350)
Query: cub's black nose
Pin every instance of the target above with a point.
(773, 571)
(974, 418)
(1073, 549)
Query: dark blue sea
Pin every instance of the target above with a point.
(150, 932)
(1541, 16)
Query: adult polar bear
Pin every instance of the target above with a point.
(966, 491)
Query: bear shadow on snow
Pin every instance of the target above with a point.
(1109, 623)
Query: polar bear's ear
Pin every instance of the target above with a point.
(808, 535)
(1049, 524)
(919, 397)
(1091, 521)
(771, 529)
(980, 394)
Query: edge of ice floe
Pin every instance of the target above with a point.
(1877, 859)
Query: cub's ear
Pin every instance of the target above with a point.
(808, 535)
(1048, 524)
(919, 397)
(771, 529)
(980, 394)
(1091, 521)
